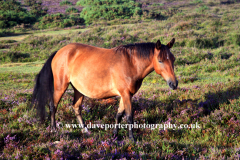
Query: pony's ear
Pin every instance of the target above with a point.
(158, 45)
(170, 44)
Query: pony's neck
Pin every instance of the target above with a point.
(144, 67)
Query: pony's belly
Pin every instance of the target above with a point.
(95, 90)
(91, 74)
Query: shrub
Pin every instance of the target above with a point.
(102, 2)
(36, 8)
(71, 10)
(202, 9)
(65, 2)
(234, 39)
(172, 11)
(15, 57)
(28, 2)
(183, 25)
(108, 9)
(195, 58)
(11, 14)
(7, 41)
(3, 24)
(197, 1)
(205, 42)
(11, 5)
(58, 20)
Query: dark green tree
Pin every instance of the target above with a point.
(11, 14)
(36, 8)
(108, 9)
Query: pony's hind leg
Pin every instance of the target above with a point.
(59, 89)
(52, 116)
(77, 106)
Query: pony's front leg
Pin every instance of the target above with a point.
(126, 97)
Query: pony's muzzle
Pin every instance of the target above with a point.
(173, 85)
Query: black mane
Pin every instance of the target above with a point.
(144, 50)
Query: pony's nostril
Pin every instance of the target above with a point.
(172, 85)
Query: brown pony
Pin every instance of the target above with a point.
(101, 73)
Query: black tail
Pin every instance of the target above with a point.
(43, 89)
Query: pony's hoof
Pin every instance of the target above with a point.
(132, 139)
(56, 142)
(85, 130)
(53, 130)
(115, 132)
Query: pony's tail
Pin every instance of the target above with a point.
(43, 89)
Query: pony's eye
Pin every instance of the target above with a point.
(160, 61)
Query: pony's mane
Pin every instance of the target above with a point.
(143, 50)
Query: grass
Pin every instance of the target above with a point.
(207, 67)
(40, 33)
(33, 67)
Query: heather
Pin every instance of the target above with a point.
(207, 68)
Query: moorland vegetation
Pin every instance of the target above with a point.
(207, 52)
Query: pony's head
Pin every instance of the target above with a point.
(163, 62)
